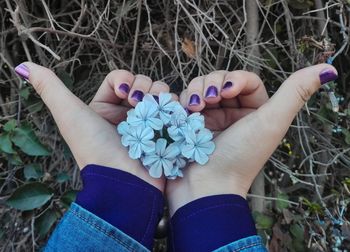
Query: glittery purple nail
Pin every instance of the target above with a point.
(124, 88)
(137, 95)
(23, 71)
(227, 85)
(194, 100)
(212, 92)
(327, 75)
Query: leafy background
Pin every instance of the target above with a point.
(300, 200)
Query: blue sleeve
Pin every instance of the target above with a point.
(80, 230)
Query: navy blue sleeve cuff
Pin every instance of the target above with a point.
(123, 200)
(210, 222)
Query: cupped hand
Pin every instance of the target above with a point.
(90, 130)
(249, 128)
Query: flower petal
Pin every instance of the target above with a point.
(155, 170)
(125, 140)
(172, 151)
(204, 135)
(207, 148)
(187, 150)
(123, 128)
(167, 166)
(150, 159)
(148, 146)
(147, 133)
(135, 151)
(160, 146)
(200, 157)
(155, 123)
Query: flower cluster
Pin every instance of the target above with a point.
(164, 137)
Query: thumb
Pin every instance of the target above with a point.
(283, 106)
(75, 120)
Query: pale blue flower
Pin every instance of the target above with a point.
(162, 158)
(123, 130)
(179, 164)
(195, 121)
(178, 124)
(145, 115)
(181, 123)
(165, 105)
(198, 145)
(139, 140)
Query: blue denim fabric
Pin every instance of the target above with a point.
(80, 230)
(251, 244)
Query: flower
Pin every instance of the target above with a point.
(198, 145)
(180, 163)
(162, 158)
(165, 105)
(180, 123)
(144, 115)
(139, 140)
(123, 130)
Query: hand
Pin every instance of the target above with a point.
(251, 127)
(90, 131)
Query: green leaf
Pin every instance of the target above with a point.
(263, 221)
(346, 133)
(281, 203)
(14, 159)
(33, 171)
(30, 196)
(45, 222)
(25, 139)
(297, 231)
(10, 125)
(62, 177)
(65, 78)
(25, 92)
(6, 144)
(68, 197)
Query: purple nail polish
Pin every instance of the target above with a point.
(124, 88)
(194, 100)
(156, 97)
(212, 92)
(227, 85)
(327, 75)
(137, 95)
(23, 71)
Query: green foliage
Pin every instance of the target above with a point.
(281, 202)
(45, 221)
(263, 221)
(6, 144)
(68, 197)
(62, 177)
(313, 207)
(33, 171)
(26, 140)
(30, 196)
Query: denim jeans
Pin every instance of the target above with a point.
(80, 230)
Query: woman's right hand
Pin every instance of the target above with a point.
(250, 126)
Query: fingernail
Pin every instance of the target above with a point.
(227, 85)
(194, 100)
(23, 71)
(124, 88)
(328, 75)
(137, 95)
(156, 98)
(212, 91)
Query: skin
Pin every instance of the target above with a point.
(248, 125)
